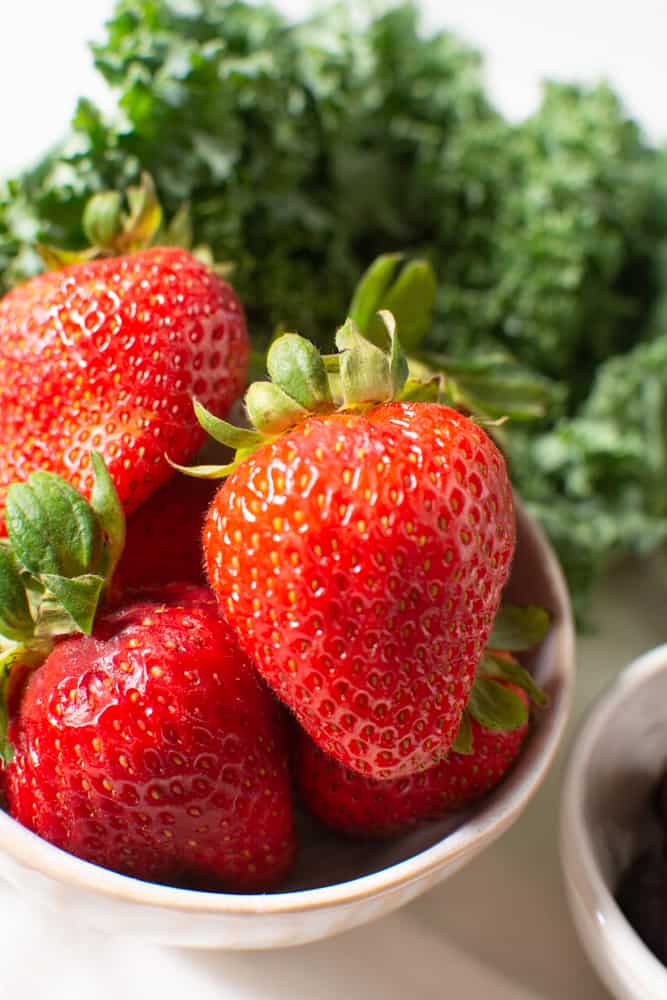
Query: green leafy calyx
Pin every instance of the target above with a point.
(55, 565)
(490, 386)
(494, 703)
(519, 627)
(303, 382)
(406, 289)
(113, 228)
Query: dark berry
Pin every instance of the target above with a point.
(660, 800)
(642, 895)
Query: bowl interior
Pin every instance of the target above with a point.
(606, 820)
(622, 767)
(325, 858)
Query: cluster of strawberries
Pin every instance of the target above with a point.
(342, 653)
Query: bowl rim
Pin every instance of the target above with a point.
(32, 852)
(588, 889)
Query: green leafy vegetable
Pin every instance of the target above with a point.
(597, 480)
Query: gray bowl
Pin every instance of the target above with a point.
(619, 753)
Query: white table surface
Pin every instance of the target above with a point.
(499, 929)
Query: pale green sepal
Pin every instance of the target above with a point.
(493, 386)
(519, 627)
(224, 433)
(6, 748)
(103, 219)
(331, 363)
(11, 655)
(223, 268)
(78, 596)
(415, 391)
(365, 372)
(16, 622)
(56, 259)
(296, 366)
(408, 294)
(271, 410)
(8, 659)
(398, 363)
(145, 215)
(419, 371)
(463, 739)
(179, 232)
(243, 453)
(51, 527)
(370, 293)
(111, 517)
(510, 670)
(411, 299)
(203, 471)
(496, 706)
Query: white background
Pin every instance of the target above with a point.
(45, 65)
(499, 930)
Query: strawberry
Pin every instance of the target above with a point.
(146, 742)
(360, 551)
(151, 748)
(164, 535)
(365, 807)
(106, 354)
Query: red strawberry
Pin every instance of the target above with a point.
(365, 807)
(164, 536)
(361, 556)
(151, 748)
(107, 355)
(147, 744)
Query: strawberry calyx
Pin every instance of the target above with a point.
(55, 565)
(114, 229)
(371, 367)
(304, 382)
(405, 288)
(488, 386)
(493, 701)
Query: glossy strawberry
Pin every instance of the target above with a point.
(361, 556)
(164, 535)
(151, 748)
(107, 355)
(365, 807)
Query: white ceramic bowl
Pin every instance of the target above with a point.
(620, 751)
(337, 884)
